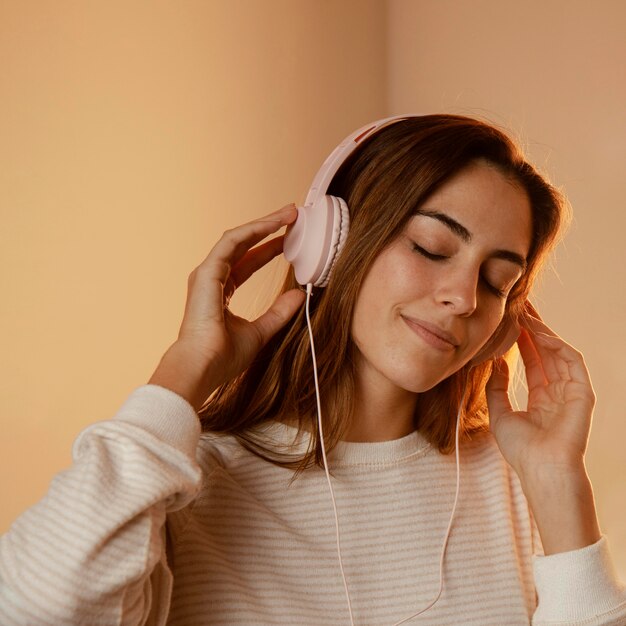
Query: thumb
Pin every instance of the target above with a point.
(497, 391)
(278, 314)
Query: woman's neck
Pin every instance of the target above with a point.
(382, 412)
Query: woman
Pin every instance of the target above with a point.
(156, 523)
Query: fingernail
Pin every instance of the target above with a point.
(279, 214)
(288, 214)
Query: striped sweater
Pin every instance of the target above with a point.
(156, 523)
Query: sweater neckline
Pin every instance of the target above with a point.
(351, 453)
(379, 452)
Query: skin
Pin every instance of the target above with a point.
(545, 444)
(396, 363)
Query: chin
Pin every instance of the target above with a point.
(411, 372)
(419, 383)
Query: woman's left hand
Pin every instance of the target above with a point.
(552, 434)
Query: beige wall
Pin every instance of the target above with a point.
(133, 133)
(553, 72)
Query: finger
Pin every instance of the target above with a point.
(572, 359)
(205, 292)
(252, 261)
(530, 310)
(278, 314)
(546, 341)
(205, 299)
(536, 325)
(535, 374)
(554, 367)
(497, 391)
(235, 242)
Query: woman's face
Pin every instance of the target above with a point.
(436, 294)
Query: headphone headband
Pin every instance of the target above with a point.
(340, 154)
(314, 241)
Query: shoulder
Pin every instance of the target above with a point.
(217, 450)
(227, 451)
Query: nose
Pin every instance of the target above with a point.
(458, 291)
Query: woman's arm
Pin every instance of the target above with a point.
(575, 579)
(564, 509)
(546, 444)
(92, 550)
(214, 345)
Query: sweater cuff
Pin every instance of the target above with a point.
(576, 585)
(165, 414)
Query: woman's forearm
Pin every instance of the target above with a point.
(180, 372)
(563, 506)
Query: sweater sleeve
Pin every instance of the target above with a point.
(93, 551)
(579, 588)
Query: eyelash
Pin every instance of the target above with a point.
(440, 257)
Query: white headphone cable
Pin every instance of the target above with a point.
(456, 498)
(309, 290)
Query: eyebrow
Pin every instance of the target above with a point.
(460, 231)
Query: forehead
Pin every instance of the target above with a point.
(492, 207)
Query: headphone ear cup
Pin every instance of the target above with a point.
(313, 242)
(341, 225)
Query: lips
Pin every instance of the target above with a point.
(433, 334)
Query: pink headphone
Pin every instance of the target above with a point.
(314, 242)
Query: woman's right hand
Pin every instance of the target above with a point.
(214, 345)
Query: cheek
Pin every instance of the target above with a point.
(393, 283)
(487, 325)
(402, 272)
(397, 278)
(494, 317)
(368, 312)
(392, 280)
(373, 301)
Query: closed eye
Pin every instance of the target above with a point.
(428, 255)
(440, 257)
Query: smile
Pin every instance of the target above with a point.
(431, 336)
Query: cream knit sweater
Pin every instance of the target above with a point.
(155, 524)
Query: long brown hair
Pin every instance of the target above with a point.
(383, 182)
